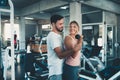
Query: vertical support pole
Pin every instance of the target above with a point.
(22, 31)
(75, 13)
(12, 39)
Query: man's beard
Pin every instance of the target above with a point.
(58, 29)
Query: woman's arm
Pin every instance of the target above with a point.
(70, 45)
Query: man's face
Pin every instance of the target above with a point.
(59, 25)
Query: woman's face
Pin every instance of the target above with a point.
(73, 29)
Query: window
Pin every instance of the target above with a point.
(7, 31)
(46, 26)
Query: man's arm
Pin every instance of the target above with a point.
(62, 54)
(71, 49)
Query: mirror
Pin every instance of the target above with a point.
(109, 40)
(91, 34)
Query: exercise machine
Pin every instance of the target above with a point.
(11, 11)
(35, 67)
(98, 71)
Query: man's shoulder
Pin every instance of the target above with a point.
(52, 34)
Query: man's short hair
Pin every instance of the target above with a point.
(55, 18)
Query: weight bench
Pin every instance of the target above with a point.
(92, 73)
(34, 69)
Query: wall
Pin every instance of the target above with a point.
(110, 18)
(30, 30)
(66, 24)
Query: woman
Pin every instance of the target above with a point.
(72, 62)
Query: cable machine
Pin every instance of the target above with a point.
(11, 11)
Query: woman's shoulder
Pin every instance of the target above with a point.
(69, 37)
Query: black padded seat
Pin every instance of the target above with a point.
(87, 73)
(91, 51)
(109, 72)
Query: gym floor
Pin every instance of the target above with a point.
(19, 71)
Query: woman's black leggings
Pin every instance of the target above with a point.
(70, 72)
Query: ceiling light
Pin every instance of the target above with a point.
(29, 18)
(64, 7)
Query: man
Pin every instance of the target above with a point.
(56, 52)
